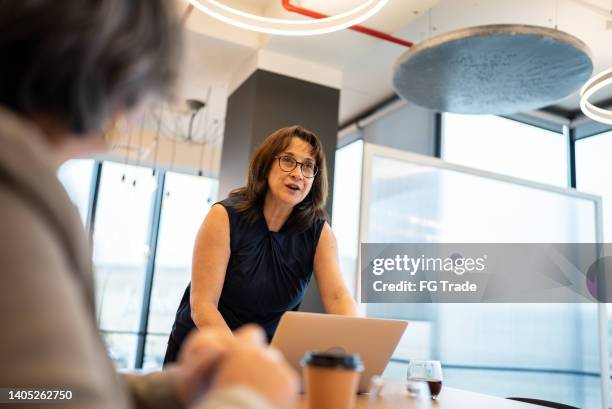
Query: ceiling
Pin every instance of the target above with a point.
(216, 52)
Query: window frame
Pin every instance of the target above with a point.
(153, 236)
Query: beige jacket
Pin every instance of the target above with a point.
(48, 329)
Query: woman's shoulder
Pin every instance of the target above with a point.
(318, 227)
(236, 204)
(238, 210)
(229, 201)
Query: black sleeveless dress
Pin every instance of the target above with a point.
(267, 275)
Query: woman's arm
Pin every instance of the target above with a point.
(210, 258)
(336, 297)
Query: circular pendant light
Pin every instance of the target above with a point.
(253, 22)
(495, 69)
(598, 82)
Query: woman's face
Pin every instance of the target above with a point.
(291, 187)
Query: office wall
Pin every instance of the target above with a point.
(409, 128)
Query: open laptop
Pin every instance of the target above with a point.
(372, 338)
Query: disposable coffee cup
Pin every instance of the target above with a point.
(331, 380)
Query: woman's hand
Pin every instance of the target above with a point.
(212, 359)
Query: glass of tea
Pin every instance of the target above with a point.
(426, 371)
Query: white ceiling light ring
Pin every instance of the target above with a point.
(592, 86)
(356, 11)
(598, 110)
(289, 27)
(596, 113)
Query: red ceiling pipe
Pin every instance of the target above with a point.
(374, 33)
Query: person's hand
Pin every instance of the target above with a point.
(197, 362)
(254, 365)
(213, 359)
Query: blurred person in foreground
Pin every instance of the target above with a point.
(68, 69)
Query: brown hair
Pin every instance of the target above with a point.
(251, 197)
(80, 61)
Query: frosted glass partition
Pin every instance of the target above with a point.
(415, 202)
(409, 198)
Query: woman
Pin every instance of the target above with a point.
(68, 68)
(256, 250)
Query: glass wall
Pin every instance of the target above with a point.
(490, 348)
(593, 170)
(186, 202)
(505, 146)
(123, 230)
(121, 236)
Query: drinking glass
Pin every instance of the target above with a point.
(394, 389)
(426, 371)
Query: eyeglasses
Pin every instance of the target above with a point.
(287, 164)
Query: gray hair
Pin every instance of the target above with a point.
(80, 61)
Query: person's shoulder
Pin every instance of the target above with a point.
(319, 223)
(317, 228)
(217, 210)
(225, 208)
(228, 210)
(18, 208)
(231, 201)
(239, 209)
(30, 231)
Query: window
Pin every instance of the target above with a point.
(186, 202)
(593, 170)
(505, 146)
(76, 176)
(345, 213)
(121, 251)
(123, 231)
(593, 173)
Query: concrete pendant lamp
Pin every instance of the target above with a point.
(494, 69)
